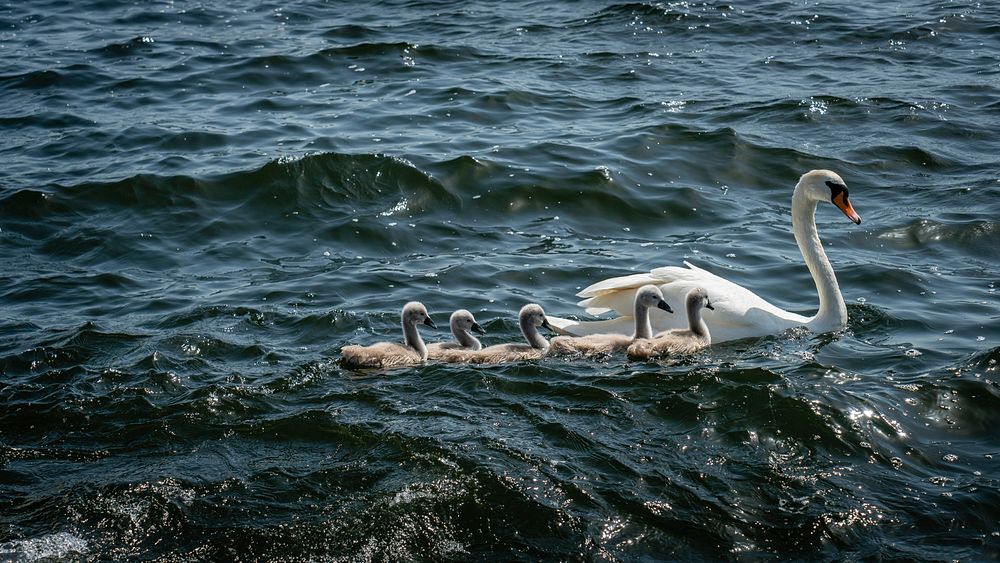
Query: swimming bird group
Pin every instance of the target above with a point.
(646, 327)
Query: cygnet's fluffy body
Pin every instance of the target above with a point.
(462, 322)
(679, 340)
(392, 354)
(530, 318)
(646, 297)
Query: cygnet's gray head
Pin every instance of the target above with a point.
(698, 298)
(533, 315)
(415, 313)
(824, 185)
(651, 296)
(464, 321)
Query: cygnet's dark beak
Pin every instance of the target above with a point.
(545, 323)
(663, 305)
(477, 329)
(708, 305)
(429, 322)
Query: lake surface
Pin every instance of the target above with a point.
(201, 204)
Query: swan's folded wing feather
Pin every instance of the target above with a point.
(633, 281)
(690, 275)
(622, 301)
(618, 294)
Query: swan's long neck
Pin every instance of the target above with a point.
(411, 337)
(465, 339)
(696, 324)
(643, 328)
(531, 334)
(832, 310)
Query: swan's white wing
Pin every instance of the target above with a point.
(739, 312)
(612, 285)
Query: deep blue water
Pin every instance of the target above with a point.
(200, 204)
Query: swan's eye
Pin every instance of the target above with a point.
(836, 189)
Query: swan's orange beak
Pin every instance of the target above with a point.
(843, 204)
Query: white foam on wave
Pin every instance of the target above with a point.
(54, 546)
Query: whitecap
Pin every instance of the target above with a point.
(60, 545)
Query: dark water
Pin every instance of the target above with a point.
(199, 205)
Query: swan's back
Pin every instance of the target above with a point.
(739, 312)
(730, 299)
(379, 355)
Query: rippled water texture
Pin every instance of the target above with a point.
(201, 204)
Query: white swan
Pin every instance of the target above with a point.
(646, 297)
(390, 354)
(679, 340)
(739, 312)
(530, 318)
(461, 322)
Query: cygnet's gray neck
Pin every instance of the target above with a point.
(531, 334)
(411, 337)
(695, 323)
(465, 339)
(643, 328)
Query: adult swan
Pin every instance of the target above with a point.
(739, 312)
